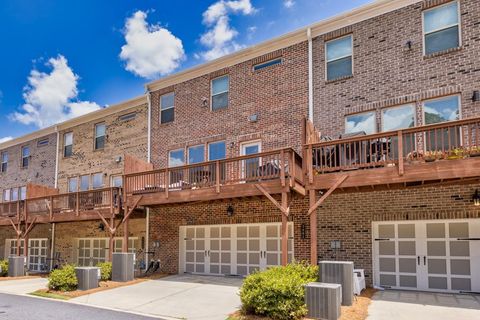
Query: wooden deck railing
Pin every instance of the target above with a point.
(75, 202)
(451, 140)
(265, 166)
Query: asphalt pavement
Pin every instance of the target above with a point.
(15, 307)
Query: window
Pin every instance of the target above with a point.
(117, 181)
(97, 180)
(42, 142)
(4, 165)
(128, 116)
(339, 56)
(267, 64)
(396, 118)
(14, 194)
(196, 154)
(363, 122)
(73, 184)
(251, 167)
(25, 156)
(23, 193)
(84, 182)
(442, 110)
(6, 195)
(441, 28)
(99, 136)
(176, 158)
(216, 151)
(220, 87)
(68, 144)
(167, 106)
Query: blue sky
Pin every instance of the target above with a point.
(60, 59)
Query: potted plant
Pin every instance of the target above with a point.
(474, 151)
(457, 153)
(431, 156)
(414, 157)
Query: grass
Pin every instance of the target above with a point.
(45, 294)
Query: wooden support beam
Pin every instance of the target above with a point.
(313, 230)
(111, 228)
(284, 230)
(285, 210)
(30, 227)
(401, 169)
(132, 209)
(325, 196)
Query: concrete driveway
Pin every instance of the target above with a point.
(173, 297)
(406, 305)
(23, 286)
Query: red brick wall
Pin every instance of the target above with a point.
(386, 73)
(166, 220)
(277, 94)
(348, 216)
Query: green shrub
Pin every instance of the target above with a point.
(63, 279)
(105, 271)
(278, 292)
(4, 268)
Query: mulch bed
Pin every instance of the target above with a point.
(358, 311)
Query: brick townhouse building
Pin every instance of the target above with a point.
(384, 172)
(79, 163)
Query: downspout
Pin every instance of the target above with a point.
(310, 74)
(147, 218)
(52, 245)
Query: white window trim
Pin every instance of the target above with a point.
(3, 161)
(261, 64)
(327, 61)
(246, 144)
(459, 24)
(97, 136)
(65, 143)
(24, 157)
(172, 107)
(414, 109)
(92, 180)
(360, 113)
(218, 93)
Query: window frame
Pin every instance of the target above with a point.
(92, 179)
(215, 142)
(414, 109)
(116, 176)
(459, 101)
(172, 107)
(97, 137)
(188, 153)
(65, 144)
(4, 195)
(3, 161)
(68, 184)
(227, 91)
(23, 157)
(79, 182)
(43, 142)
(326, 59)
(266, 64)
(375, 124)
(459, 24)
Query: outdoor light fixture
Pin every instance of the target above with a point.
(476, 96)
(476, 198)
(230, 210)
(303, 231)
(408, 45)
(101, 227)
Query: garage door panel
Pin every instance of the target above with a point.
(435, 255)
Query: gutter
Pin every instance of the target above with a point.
(310, 74)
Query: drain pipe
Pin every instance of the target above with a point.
(310, 74)
(52, 246)
(56, 157)
(149, 159)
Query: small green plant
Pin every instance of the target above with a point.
(3, 268)
(63, 279)
(105, 271)
(278, 292)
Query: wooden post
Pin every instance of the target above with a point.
(125, 236)
(25, 236)
(217, 176)
(77, 203)
(401, 169)
(282, 169)
(110, 247)
(167, 182)
(313, 229)
(310, 164)
(284, 230)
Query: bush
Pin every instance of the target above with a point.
(63, 279)
(278, 292)
(4, 268)
(105, 271)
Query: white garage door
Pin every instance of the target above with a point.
(435, 255)
(232, 249)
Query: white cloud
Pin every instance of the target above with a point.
(288, 3)
(150, 50)
(219, 37)
(50, 97)
(5, 139)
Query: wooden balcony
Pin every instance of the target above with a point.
(85, 205)
(414, 156)
(272, 172)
